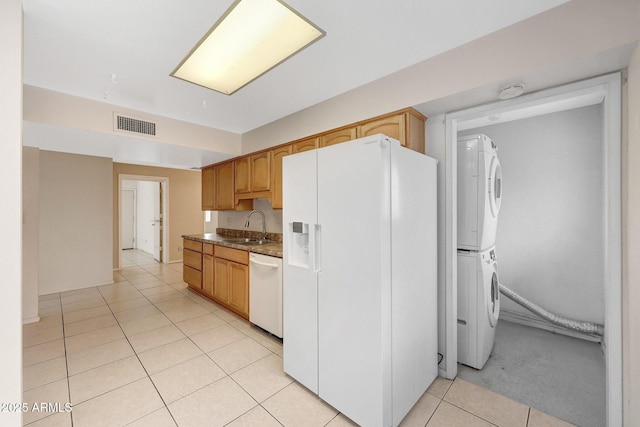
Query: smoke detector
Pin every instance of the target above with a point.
(511, 90)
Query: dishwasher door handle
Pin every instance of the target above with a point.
(264, 264)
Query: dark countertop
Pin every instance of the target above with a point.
(271, 249)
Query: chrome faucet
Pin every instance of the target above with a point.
(264, 224)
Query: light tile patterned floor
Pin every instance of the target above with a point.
(146, 351)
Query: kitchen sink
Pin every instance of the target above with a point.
(248, 241)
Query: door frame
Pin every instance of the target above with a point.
(607, 90)
(164, 209)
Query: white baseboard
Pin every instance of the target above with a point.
(536, 322)
(31, 320)
(78, 287)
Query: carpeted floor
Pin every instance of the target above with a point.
(560, 375)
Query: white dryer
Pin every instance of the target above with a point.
(478, 306)
(479, 192)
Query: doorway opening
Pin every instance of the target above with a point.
(143, 215)
(605, 90)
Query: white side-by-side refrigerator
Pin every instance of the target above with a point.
(359, 276)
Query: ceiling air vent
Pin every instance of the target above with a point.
(130, 124)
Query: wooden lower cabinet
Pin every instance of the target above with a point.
(239, 288)
(219, 273)
(192, 259)
(230, 284)
(221, 281)
(207, 274)
(192, 277)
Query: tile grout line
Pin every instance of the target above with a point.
(195, 301)
(140, 361)
(204, 353)
(66, 359)
(228, 375)
(189, 338)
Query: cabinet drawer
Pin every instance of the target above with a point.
(207, 248)
(192, 277)
(192, 259)
(193, 245)
(231, 254)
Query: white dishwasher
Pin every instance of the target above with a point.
(265, 292)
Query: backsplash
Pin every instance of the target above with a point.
(235, 220)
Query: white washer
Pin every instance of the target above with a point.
(478, 306)
(479, 192)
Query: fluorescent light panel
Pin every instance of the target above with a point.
(252, 37)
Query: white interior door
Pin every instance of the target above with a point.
(157, 222)
(128, 219)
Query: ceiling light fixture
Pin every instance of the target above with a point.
(252, 37)
(511, 90)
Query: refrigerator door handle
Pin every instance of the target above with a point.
(317, 248)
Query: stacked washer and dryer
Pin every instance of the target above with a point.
(479, 197)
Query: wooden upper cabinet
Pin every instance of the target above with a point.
(407, 126)
(338, 136)
(208, 188)
(276, 174)
(252, 178)
(237, 182)
(415, 137)
(225, 186)
(304, 145)
(260, 171)
(243, 175)
(391, 126)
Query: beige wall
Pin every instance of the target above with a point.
(527, 47)
(75, 221)
(30, 232)
(184, 212)
(10, 176)
(631, 248)
(59, 109)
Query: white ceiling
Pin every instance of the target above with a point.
(76, 46)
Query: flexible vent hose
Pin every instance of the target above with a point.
(576, 325)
